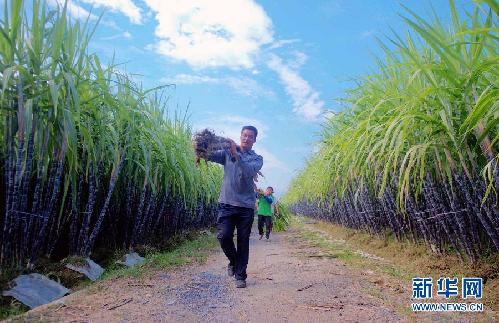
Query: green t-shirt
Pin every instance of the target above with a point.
(264, 207)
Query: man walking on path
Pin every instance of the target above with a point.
(237, 201)
(265, 200)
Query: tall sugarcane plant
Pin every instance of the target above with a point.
(88, 157)
(416, 151)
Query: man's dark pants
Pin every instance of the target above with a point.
(229, 218)
(267, 221)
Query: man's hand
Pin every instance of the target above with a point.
(233, 149)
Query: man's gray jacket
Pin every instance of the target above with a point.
(238, 188)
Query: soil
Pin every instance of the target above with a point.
(288, 281)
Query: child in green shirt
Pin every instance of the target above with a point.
(265, 200)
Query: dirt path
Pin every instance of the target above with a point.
(288, 281)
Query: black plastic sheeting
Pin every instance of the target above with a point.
(34, 290)
(132, 259)
(92, 270)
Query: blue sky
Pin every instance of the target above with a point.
(278, 65)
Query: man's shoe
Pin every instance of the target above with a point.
(261, 236)
(267, 236)
(230, 270)
(240, 283)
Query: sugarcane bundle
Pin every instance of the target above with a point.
(206, 142)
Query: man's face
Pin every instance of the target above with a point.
(269, 191)
(247, 139)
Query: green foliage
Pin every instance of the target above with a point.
(11, 309)
(282, 217)
(60, 105)
(196, 249)
(432, 108)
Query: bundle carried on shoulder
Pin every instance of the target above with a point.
(206, 142)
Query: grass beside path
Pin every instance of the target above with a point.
(193, 248)
(397, 261)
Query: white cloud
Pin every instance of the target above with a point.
(149, 47)
(190, 79)
(243, 85)
(283, 42)
(248, 87)
(126, 7)
(306, 101)
(74, 10)
(298, 61)
(125, 34)
(225, 33)
(110, 23)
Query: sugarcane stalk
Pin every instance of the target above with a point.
(89, 210)
(75, 217)
(138, 217)
(112, 183)
(489, 229)
(14, 207)
(435, 209)
(37, 195)
(56, 178)
(153, 212)
(128, 213)
(161, 211)
(144, 219)
(27, 173)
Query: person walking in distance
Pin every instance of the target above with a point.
(265, 200)
(237, 200)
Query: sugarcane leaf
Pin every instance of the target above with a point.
(74, 92)
(492, 4)
(54, 93)
(487, 103)
(6, 75)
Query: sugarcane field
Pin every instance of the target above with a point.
(249, 161)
